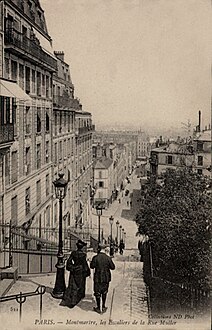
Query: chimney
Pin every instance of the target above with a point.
(199, 121)
(59, 55)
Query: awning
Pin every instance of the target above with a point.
(11, 89)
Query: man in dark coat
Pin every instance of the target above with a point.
(102, 264)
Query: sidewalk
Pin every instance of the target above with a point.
(123, 213)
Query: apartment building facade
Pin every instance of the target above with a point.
(103, 181)
(72, 147)
(171, 156)
(202, 151)
(29, 63)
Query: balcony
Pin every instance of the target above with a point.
(66, 102)
(86, 129)
(6, 133)
(27, 48)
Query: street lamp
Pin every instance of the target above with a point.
(117, 233)
(120, 232)
(99, 213)
(124, 236)
(60, 192)
(111, 227)
(111, 235)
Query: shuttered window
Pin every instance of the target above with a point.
(14, 210)
(38, 191)
(14, 166)
(27, 201)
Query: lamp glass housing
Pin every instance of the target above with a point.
(60, 186)
(98, 210)
(111, 219)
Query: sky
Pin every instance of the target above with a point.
(136, 62)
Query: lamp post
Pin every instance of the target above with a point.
(120, 227)
(111, 235)
(60, 192)
(99, 213)
(124, 237)
(117, 233)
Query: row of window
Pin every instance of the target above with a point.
(28, 162)
(31, 81)
(39, 126)
(63, 122)
(62, 149)
(170, 161)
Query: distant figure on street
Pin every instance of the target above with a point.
(140, 248)
(121, 246)
(102, 264)
(78, 267)
(127, 203)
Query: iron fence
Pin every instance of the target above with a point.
(166, 295)
(34, 249)
(18, 40)
(22, 296)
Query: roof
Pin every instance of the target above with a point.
(204, 136)
(103, 163)
(173, 148)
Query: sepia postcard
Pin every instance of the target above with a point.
(105, 164)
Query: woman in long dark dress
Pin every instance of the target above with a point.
(79, 270)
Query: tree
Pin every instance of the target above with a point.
(176, 216)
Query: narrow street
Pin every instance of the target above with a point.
(127, 298)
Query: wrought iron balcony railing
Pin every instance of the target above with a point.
(66, 102)
(19, 42)
(86, 129)
(6, 133)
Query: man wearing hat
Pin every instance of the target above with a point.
(78, 267)
(102, 264)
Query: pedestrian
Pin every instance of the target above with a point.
(78, 267)
(140, 248)
(127, 203)
(121, 246)
(102, 264)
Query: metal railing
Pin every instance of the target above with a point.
(19, 40)
(22, 296)
(86, 129)
(165, 294)
(66, 102)
(6, 133)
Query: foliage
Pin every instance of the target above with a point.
(176, 216)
